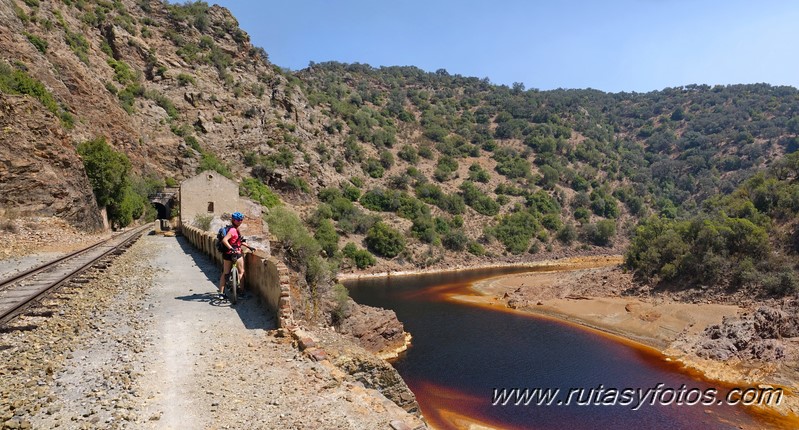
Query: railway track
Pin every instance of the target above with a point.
(20, 293)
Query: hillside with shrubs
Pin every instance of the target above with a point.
(362, 168)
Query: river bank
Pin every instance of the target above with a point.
(592, 292)
(587, 261)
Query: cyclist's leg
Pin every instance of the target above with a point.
(226, 265)
(240, 267)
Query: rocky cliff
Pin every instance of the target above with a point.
(41, 173)
(169, 90)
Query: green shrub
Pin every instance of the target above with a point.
(327, 237)
(127, 96)
(193, 143)
(478, 200)
(36, 41)
(384, 240)
(186, 79)
(283, 157)
(341, 298)
(455, 240)
(111, 88)
(108, 174)
(515, 231)
(478, 174)
(164, 102)
(409, 154)
(425, 151)
(107, 170)
(567, 234)
(209, 161)
(15, 81)
(373, 168)
(601, 233)
(203, 221)
(432, 194)
(296, 183)
(259, 192)
(351, 192)
(781, 283)
(445, 168)
(380, 200)
(79, 45)
(511, 164)
(122, 72)
(424, 228)
(289, 229)
(552, 222)
(361, 257)
(475, 248)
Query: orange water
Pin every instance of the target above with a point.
(461, 353)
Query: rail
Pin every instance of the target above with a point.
(21, 291)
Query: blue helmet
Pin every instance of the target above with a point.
(237, 216)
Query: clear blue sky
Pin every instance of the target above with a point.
(609, 45)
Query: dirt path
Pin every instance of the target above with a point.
(146, 346)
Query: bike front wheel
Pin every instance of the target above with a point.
(233, 290)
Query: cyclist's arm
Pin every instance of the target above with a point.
(226, 240)
(244, 243)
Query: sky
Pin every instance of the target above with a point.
(608, 45)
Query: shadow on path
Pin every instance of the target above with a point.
(252, 312)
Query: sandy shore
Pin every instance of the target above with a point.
(586, 291)
(656, 323)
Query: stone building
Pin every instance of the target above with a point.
(211, 194)
(208, 193)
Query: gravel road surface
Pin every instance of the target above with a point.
(145, 345)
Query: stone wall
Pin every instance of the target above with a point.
(208, 193)
(265, 276)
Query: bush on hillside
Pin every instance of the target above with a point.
(384, 240)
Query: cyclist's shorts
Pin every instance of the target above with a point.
(232, 257)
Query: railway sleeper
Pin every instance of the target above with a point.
(13, 328)
(39, 313)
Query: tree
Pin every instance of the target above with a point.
(515, 231)
(550, 176)
(601, 233)
(108, 174)
(455, 240)
(361, 257)
(107, 170)
(567, 234)
(384, 240)
(327, 237)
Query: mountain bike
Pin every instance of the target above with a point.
(232, 285)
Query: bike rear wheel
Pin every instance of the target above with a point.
(233, 285)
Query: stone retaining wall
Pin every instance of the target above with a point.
(265, 276)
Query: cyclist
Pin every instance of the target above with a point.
(233, 242)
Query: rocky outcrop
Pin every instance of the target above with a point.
(40, 170)
(373, 372)
(375, 329)
(758, 335)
